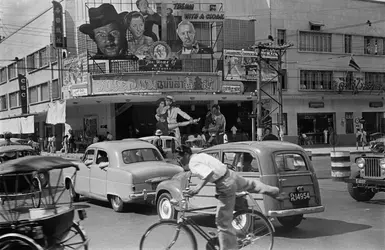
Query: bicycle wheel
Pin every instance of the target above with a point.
(15, 241)
(168, 234)
(74, 239)
(253, 230)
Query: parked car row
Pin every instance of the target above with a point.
(134, 171)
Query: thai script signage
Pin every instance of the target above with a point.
(316, 104)
(204, 16)
(231, 88)
(118, 84)
(58, 35)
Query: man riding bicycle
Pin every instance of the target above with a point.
(227, 184)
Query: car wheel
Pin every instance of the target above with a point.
(360, 193)
(117, 203)
(290, 221)
(75, 197)
(164, 208)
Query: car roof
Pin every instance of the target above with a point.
(259, 146)
(122, 145)
(153, 136)
(12, 148)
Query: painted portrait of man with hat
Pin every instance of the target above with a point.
(106, 30)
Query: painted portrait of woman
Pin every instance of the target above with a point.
(137, 42)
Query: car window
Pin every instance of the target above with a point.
(141, 155)
(242, 161)
(168, 143)
(101, 157)
(290, 162)
(89, 155)
(214, 154)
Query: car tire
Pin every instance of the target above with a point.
(164, 208)
(117, 203)
(360, 193)
(75, 197)
(290, 221)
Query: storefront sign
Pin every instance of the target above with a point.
(103, 84)
(376, 104)
(23, 93)
(204, 16)
(79, 91)
(231, 88)
(183, 6)
(316, 104)
(58, 35)
(160, 65)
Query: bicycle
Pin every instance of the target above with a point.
(247, 224)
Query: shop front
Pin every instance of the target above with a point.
(315, 128)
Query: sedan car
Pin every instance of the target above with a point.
(121, 172)
(281, 164)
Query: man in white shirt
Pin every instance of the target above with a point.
(227, 183)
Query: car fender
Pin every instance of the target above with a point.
(173, 187)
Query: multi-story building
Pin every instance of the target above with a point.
(119, 94)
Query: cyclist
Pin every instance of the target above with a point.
(227, 183)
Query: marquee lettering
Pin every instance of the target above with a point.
(183, 6)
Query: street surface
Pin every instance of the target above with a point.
(345, 224)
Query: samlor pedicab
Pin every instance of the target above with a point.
(23, 225)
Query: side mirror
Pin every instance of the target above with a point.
(103, 165)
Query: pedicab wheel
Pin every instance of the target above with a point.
(75, 239)
(168, 234)
(36, 197)
(253, 230)
(15, 241)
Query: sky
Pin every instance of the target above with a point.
(15, 13)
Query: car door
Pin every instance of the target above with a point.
(82, 181)
(246, 164)
(98, 177)
(206, 197)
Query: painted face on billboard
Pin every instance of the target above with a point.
(109, 40)
(186, 33)
(143, 6)
(137, 27)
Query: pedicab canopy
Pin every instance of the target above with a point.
(30, 164)
(15, 148)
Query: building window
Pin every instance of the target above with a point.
(3, 75)
(97, 68)
(14, 99)
(374, 80)
(12, 71)
(33, 94)
(318, 42)
(44, 92)
(21, 67)
(53, 54)
(281, 34)
(56, 89)
(284, 79)
(348, 44)
(3, 102)
(316, 80)
(32, 61)
(349, 127)
(43, 57)
(374, 45)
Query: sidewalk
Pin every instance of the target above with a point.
(316, 152)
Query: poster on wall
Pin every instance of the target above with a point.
(135, 30)
(90, 126)
(241, 65)
(75, 76)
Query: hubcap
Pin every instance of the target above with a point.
(165, 209)
(116, 201)
(239, 222)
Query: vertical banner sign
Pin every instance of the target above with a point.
(58, 35)
(23, 93)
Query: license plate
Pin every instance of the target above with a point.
(299, 196)
(360, 181)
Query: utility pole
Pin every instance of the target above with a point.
(266, 51)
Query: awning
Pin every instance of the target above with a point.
(18, 125)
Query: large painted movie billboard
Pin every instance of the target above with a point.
(151, 30)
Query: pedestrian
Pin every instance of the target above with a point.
(358, 137)
(227, 184)
(217, 127)
(158, 142)
(71, 141)
(109, 136)
(65, 145)
(234, 132)
(269, 136)
(363, 139)
(7, 137)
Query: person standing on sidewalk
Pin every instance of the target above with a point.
(227, 184)
(363, 139)
(358, 138)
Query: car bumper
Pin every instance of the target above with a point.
(296, 211)
(365, 182)
(144, 196)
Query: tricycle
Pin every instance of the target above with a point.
(36, 217)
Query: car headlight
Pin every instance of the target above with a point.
(382, 163)
(360, 162)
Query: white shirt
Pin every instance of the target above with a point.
(173, 114)
(109, 137)
(203, 164)
(234, 130)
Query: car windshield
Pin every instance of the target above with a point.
(141, 155)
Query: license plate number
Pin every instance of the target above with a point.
(360, 181)
(299, 196)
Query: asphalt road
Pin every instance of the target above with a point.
(345, 224)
